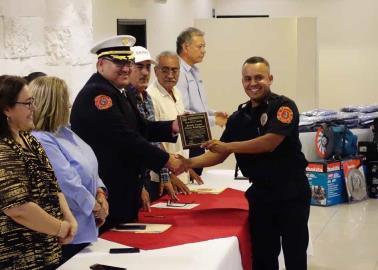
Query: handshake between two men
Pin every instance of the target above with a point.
(218, 152)
(177, 164)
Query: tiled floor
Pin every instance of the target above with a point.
(345, 236)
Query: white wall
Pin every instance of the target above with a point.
(347, 43)
(289, 44)
(293, 59)
(52, 36)
(165, 18)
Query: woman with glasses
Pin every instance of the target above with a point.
(34, 215)
(73, 161)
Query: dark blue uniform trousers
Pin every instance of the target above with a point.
(273, 220)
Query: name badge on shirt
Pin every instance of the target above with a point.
(263, 119)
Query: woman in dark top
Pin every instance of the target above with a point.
(34, 216)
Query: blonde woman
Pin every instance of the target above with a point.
(34, 215)
(73, 161)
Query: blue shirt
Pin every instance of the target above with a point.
(192, 90)
(76, 168)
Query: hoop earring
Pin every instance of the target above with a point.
(8, 119)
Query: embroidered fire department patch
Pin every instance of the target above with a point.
(285, 115)
(103, 102)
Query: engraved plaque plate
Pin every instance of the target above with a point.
(194, 129)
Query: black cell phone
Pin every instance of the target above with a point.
(130, 227)
(98, 266)
(124, 250)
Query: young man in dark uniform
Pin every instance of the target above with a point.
(263, 135)
(107, 118)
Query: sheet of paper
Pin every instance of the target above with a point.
(150, 228)
(175, 205)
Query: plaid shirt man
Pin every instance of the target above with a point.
(146, 108)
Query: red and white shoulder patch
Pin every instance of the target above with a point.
(285, 115)
(103, 102)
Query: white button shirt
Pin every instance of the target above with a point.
(167, 109)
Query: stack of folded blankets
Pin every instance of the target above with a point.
(366, 116)
(350, 116)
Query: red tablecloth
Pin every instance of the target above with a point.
(217, 216)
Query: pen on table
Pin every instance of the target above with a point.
(157, 216)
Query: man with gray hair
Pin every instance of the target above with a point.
(168, 104)
(190, 46)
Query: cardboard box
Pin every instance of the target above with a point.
(355, 180)
(327, 183)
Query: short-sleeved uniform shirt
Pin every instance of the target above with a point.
(26, 176)
(278, 115)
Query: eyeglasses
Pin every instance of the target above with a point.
(120, 63)
(29, 104)
(178, 204)
(167, 70)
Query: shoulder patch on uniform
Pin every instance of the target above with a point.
(103, 102)
(285, 115)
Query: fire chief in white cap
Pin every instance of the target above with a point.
(106, 117)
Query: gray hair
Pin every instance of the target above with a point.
(166, 53)
(186, 36)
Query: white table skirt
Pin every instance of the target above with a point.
(217, 254)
